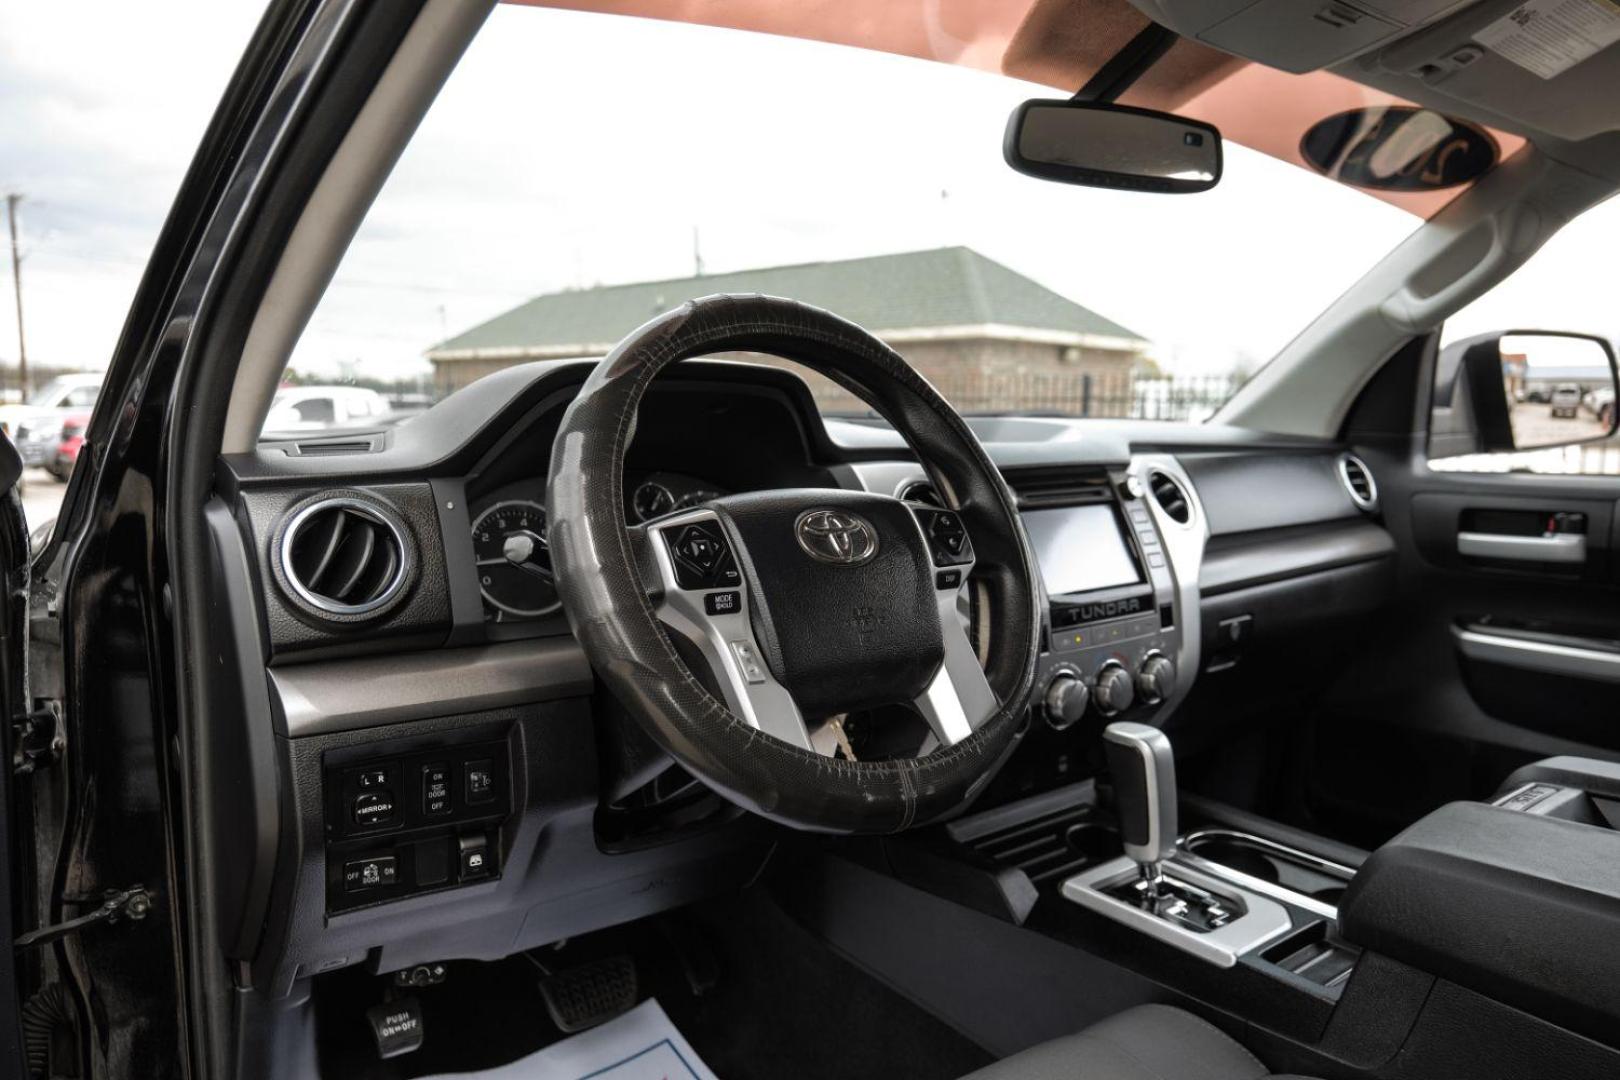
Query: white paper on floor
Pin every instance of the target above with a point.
(640, 1045)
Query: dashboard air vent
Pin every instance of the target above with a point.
(921, 491)
(344, 557)
(1358, 481)
(1171, 499)
(1058, 487)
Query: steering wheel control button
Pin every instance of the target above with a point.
(374, 809)
(435, 790)
(947, 537)
(948, 579)
(748, 661)
(479, 782)
(375, 872)
(702, 557)
(723, 603)
(475, 857)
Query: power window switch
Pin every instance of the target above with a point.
(475, 857)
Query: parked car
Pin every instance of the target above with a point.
(1601, 404)
(1566, 400)
(68, 445)
(318, 408)
(36, 425)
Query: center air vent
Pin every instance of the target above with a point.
(1171, 499)
(344, 557)
(1358, 481)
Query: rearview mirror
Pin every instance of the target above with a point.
(1532, 389)
(1112, 146)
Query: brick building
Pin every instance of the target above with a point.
(985, 335)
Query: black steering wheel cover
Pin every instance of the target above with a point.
(598, 576)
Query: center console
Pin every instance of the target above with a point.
(1117, 552)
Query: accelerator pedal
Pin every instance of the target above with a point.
(582, 997)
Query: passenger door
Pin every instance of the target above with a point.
(1504, 646)
(15, 842)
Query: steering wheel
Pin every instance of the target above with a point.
(793, 607)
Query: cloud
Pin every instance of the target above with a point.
(572, 149)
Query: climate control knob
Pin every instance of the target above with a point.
(1157, 678)
(1066, 698)
(1114, 692)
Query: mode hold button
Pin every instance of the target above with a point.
(373, 809)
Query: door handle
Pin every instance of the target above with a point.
(1556, 548)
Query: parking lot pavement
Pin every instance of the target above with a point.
(41, 496)
(1534, 425)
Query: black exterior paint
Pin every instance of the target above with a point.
(158, 996)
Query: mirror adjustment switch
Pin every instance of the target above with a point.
(373, 809)
(371, 778)
(475, 857)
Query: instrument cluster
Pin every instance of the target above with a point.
(510, 547)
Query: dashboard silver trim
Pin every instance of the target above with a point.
(1543, 656)
(1184, 547)
(1262, 922)
(327, 696)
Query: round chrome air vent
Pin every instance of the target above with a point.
(1358, 482)
(343, 557)
(1171, 498)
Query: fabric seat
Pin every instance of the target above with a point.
(1149, 1042)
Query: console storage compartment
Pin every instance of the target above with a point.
(1519, 907)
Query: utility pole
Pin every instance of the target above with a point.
(12, 199)
(697, 254)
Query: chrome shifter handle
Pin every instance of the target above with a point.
(1144, 773)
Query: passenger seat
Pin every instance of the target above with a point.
(1149, 1042)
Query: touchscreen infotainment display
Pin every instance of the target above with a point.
(1080, 548)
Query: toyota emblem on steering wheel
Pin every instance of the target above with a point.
(836, 536)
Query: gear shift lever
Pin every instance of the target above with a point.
(1145, 789)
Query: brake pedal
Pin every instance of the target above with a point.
(583, 997)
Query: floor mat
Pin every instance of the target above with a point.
(640, 1045)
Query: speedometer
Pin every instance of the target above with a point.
(514, 561)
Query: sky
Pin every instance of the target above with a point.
(570, 150)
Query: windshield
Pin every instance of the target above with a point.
(581, 173)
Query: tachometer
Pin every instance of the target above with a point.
(652, 500)
(514, 563)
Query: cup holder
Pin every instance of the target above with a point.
(1094, 840)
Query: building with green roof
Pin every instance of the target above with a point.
(974, 327)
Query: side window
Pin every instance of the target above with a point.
(1557, 393)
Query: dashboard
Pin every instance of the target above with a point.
(437, 740)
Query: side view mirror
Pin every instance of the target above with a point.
(1105, 145)
(1531, 389)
